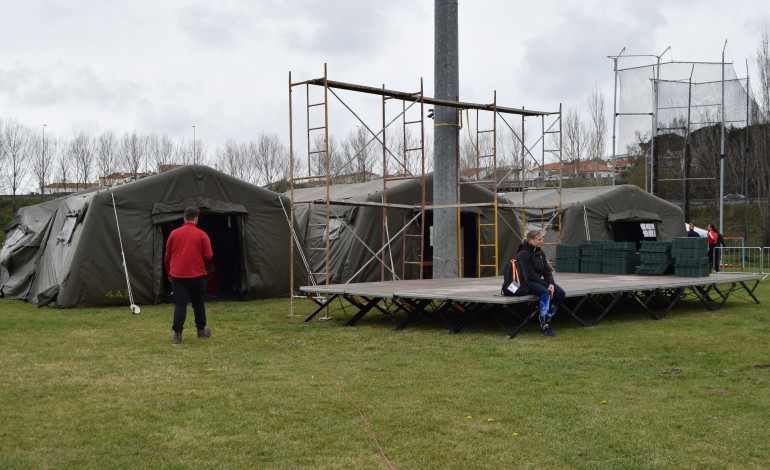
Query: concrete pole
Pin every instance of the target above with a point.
(445, 135)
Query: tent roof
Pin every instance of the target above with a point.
(549, 198)
(353, 192)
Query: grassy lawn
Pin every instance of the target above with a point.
(101, 388)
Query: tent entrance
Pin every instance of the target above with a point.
(623, 231)
(224, 231)
(468, 242)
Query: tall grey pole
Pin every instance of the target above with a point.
(42, 188)
(445, 135)
(615, 116)
(722, 151)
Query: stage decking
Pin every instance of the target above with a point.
(473, 296)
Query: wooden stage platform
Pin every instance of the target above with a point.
(594, 295)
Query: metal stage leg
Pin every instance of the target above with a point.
(322, 305)
(523, 319)
(573, 312)
(413, 309)
(608, 309)
(751, 291)
(363, 308)
(655, 295)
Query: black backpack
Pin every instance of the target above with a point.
(512, 283)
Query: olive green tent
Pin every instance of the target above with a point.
(571, 216)
(68, 252)
(374, 231)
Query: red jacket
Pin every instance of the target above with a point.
(712, 237)
(188, 251)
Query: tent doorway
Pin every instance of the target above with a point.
(468, 242)
(624, 231)
(224, 231)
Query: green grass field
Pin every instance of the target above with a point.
(101, 388)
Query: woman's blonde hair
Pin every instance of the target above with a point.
(532, 234)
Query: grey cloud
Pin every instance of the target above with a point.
(557, 59)
(65, 85)
(214, 25)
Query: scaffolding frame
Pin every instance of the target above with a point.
(318, 173)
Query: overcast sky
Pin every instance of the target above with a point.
(222, 66)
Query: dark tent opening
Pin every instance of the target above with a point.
(469, 240)
(224, 231)
(636, 232)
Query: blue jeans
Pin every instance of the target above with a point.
(548, 306)
(193, 289)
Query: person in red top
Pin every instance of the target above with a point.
(188, 251)
(715, 239)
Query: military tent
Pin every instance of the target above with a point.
(67, 252)
(617, 213)
(374, 231)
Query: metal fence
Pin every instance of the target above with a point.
(744, 259)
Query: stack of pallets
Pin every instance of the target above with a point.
(591, 253)
(568, 258)
(620, 258)
(691, 256)
(655, 259)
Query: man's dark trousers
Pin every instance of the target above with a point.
(193, 289)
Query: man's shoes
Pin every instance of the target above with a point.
(204, 333)
(177, 338)
(546, 330)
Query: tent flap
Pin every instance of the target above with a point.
(634, 215)
(164, 212)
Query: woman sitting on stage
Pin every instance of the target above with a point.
(538, 277)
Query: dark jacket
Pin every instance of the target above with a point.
(533, 265)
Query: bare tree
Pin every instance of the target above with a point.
(597, 132)
(575, 144)
(232, 160)
(164, 152)
(132, 152)
(359, 154)
(42, 160)
(198, 153)
(64, 162)
(83, 151)
(270, 158)
(106, 153)
(16, 148)
(152, 149)
(316, 159)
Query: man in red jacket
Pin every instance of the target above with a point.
(188, 251)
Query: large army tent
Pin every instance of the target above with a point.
(617, 213)
(375, 232)
(67, 252)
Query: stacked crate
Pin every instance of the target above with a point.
(568, 258)
(655, 259)
(691, 257)
(619, 258)
(591, 253)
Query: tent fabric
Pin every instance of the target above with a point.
(69, 253)
(589, 213)
(361, 228)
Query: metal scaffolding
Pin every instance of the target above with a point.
(408, 163)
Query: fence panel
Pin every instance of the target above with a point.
(741, 259)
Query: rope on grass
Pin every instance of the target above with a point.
(363, 417)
